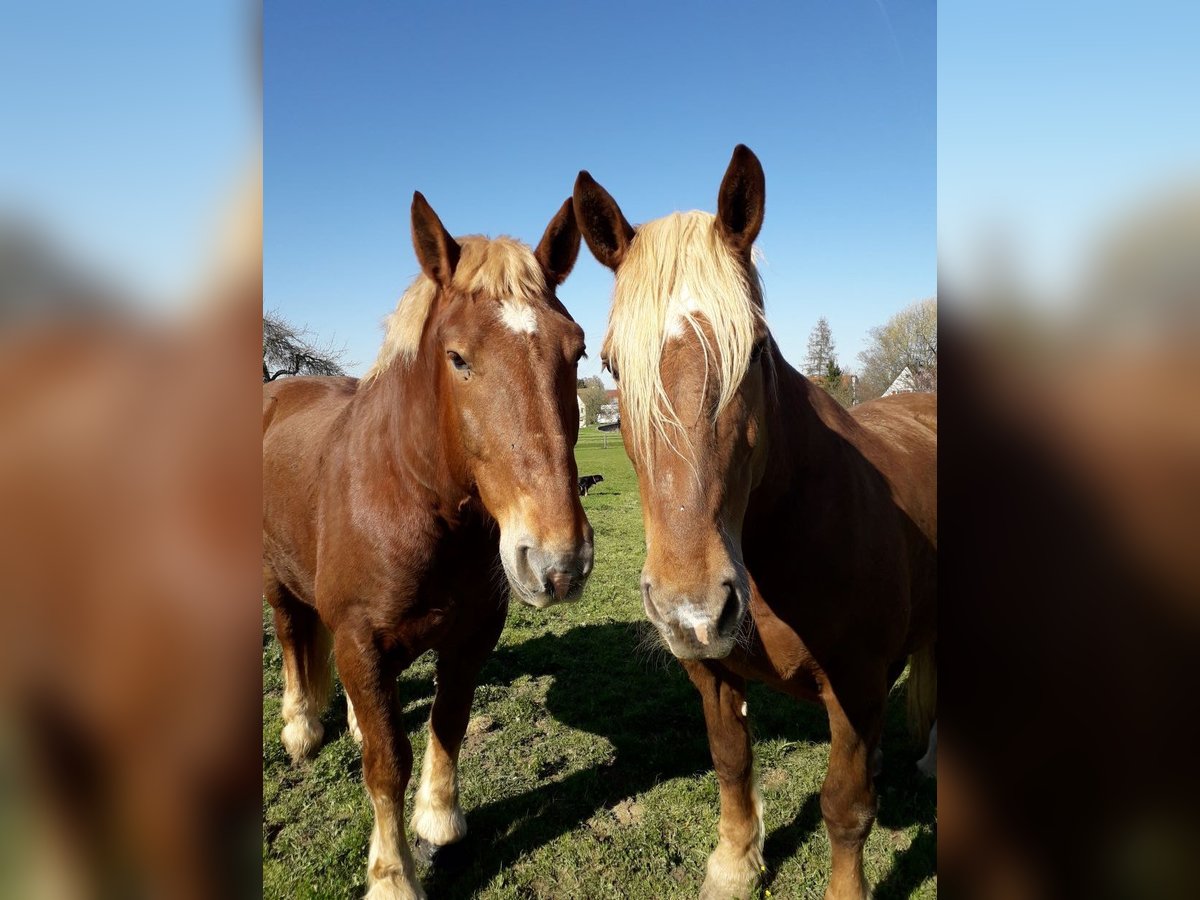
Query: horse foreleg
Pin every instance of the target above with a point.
(735, 866)
(437, 818)
(387, 765)
(848, 802)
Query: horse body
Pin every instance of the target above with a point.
(404, 545)
(394, 507)
(842, 526)
(788, 541)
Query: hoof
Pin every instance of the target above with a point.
(443, 857)
(425, 852)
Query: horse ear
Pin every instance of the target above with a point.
(437, 252)
(559, 247)
(604, 227)
(742, 200)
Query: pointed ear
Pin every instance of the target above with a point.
(437, 252)
(742, 200)
(559, 246)
(604, 227)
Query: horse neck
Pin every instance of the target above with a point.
(403, 423)
(807, 432)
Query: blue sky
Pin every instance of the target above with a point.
(491, 109)
(124, 129)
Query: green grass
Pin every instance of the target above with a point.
(585, 772)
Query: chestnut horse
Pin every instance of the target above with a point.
(391, 506)
(788, 540)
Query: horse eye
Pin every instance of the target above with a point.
(756, 351)
(459, 363)
(606, 363)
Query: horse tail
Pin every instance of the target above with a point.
(922, 691)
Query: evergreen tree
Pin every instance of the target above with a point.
(821, 352)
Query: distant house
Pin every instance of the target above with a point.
(610, 410)
(905, 383)
(582, 411)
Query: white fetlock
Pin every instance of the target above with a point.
(395, 887)
(732, 873)
(391, 872)
(437, 817)
(438, 826)
(301, 737)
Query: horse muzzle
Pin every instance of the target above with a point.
(542, 576)
(696, 627)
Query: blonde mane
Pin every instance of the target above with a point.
(678, 270)
(502, 268)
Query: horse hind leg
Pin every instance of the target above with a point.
(927, 764)
(922, 705)
(352, 721)
(307, 669)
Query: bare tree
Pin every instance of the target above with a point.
(908, 340)
(288, 351)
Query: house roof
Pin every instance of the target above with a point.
(904, 383)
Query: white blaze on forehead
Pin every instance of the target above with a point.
(682, 305)
(518, 316)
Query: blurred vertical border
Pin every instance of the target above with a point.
(130, 305)
(1069, 280)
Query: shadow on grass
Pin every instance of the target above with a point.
(650, 713)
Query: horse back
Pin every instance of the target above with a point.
(904, 428)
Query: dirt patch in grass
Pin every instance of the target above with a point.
(774, 779)
(477, 731)
(628, 812)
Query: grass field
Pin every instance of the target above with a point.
(585, 771)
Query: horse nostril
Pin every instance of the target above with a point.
(730, 611)
(559, 582)
(522, 555)
(656, 615)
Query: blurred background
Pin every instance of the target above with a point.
(1069, 283)
(130, 297)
